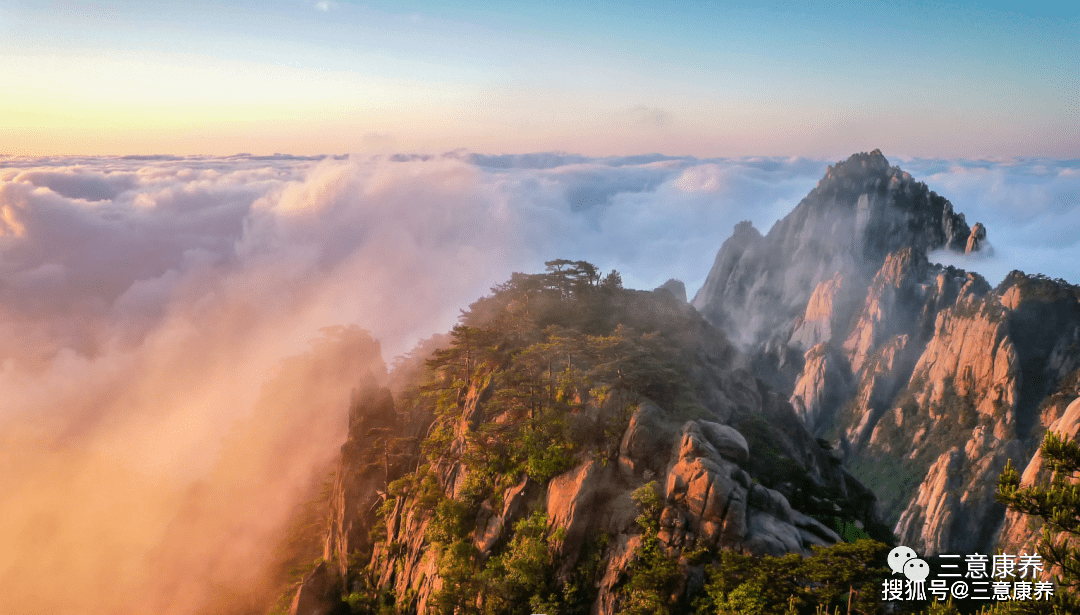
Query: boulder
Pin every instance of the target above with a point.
(646, 443)
(768, 535)
(572, 499)
(727, 440)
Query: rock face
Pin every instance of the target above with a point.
(576, 501)
(319, 594)
(1018, 533)
(361, 477)
(647, 440)
(733, 464)
(817, 323)
(822, 385)
(824, 356)
(713, 502)
(710, 501)
(925, 377)
(971, 404)
(862, 211)
(380, 441)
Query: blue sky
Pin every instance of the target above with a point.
(601, 78)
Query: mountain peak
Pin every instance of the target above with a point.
(863, 166)
(862, 211)
(873, 160)
(889, 210)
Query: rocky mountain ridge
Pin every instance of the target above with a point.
(927, 379)
(859, 213)
(535, 425)
(826, 355)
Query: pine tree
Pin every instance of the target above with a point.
(1058, 505)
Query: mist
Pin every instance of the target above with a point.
(179, 335)
(1030, 207)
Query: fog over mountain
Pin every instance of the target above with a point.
(147, 304)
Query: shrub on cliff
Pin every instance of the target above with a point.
(654, 575)
(1058, 505)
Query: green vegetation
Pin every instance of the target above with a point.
(891, 476)
(830, 578)
(948, 608)
(537, 378)
(769, 465)
(1057, 505)
(535, 355)
(1040, 288)
(654, 575)
(525, 365)
(848, 530)
(521, 575)
(775, 470)
(844, 574)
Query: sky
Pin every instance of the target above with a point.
(816, 79)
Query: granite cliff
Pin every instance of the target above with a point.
(926, 378)
(516, 462)
(510, 465)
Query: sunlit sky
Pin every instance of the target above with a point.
(819, 79)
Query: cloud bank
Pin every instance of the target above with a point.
(1031, 208)
(149, 306)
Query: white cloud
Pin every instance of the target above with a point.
(145, 300)
(1031, 210)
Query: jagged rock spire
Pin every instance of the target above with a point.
(862, 210)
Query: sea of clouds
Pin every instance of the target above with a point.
(147, 305)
